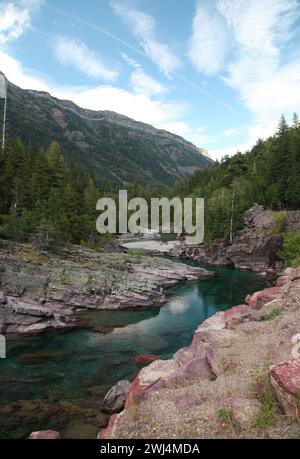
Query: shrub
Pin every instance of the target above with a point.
(279, 226)
(269, 408)
(272, 314)
(290, 252)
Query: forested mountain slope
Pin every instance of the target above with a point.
(115, 148)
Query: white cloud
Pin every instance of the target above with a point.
(15, 18)
(255, 132)
(266, 78)
(137, 106)
(209, 41)
(230, 132)
(75, 53)
(141, 82)
(144, 28)
(15, 73)
(145, 84)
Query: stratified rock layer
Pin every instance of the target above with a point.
(39, 291)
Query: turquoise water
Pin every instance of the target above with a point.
(56, 380)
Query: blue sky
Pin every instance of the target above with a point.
(217, 72)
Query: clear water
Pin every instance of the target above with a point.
(57, 379)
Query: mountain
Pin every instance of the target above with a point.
(115, 148)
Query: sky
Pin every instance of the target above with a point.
(217, 72)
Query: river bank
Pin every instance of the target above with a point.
(239, 377)
(42, 291)
(255, 247)
(58, 380)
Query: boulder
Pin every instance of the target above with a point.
(145, 358)
(258, 299)
(45, 435)
(114, 400)
(285, 380)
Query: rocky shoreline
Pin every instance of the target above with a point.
(239, 378)
(39, 291)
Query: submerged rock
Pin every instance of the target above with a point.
(145, 359)
(114, 400)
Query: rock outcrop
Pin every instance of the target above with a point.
(255, 247)
(40, 291)
(237, 373)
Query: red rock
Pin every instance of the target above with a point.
(239, 314)
(145, 359)
(285, 379)
(258, 299)
(45, 435)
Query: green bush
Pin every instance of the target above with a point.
(272, 314)
(290, 252)
(279, 226)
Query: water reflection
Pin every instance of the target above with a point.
(71, 369)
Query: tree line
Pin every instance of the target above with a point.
(44, 198)
(268, 174)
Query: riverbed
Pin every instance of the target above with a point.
(57, 380)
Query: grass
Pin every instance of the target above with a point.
(65, 279)
(224, 415)
(272, 314)
(134, 255)
(136, 252)
(269, 408)
(225, 418)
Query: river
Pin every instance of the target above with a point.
(57, 380)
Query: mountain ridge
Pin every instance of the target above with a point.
(102, 140)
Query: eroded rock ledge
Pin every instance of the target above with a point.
(255, 247)
(240, 377)
(41, 291)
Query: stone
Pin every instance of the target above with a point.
(145, 358)
(258, 299)
(244, 411)
(285, 380)
(114, 401)
(198, 368)
(45, 435)
(2, 298)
